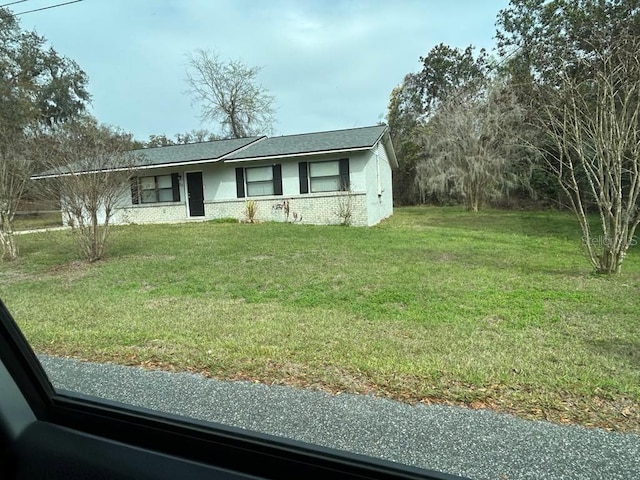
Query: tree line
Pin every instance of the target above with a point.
(552, 117)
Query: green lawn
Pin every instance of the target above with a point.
(497, 309)
(34, 221)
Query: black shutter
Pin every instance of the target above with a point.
(304, 180)
(344, 174)
(135, 195)
(240, 182)
(277, 179)
(175, 186)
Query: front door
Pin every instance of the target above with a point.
(195, 193)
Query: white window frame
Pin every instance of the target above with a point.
(324, 177)
(157, 189)
(254, 183)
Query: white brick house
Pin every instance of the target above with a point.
(305, 178)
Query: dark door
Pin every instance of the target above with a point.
(195, 193)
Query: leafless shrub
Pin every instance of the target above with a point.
(90, 166)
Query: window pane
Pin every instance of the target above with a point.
(259, 174)
(164, 181)
(325, 184)
(148, 196)
(260, 188)
(148, 183)
(323, 169)
(165, 195)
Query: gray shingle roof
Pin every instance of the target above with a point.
(192, 152)
(255, 147)
(364, 137)
(169, 155)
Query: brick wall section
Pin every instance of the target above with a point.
(151, 213)
(318, 209)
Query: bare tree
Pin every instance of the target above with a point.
(227, 93)
(195, 136)
(468, 143)
(15, 170)
(345, 209)
(594, 127)
(90, 167)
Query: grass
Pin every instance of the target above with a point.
(35, 221)
(491, 310)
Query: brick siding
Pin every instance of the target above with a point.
(318, 209)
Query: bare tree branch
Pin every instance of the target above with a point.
(38, 88)
(594, 125)
(16, 167)
(90, 167)
(227, 94)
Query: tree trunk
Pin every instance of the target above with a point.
(94, 237)
(610, 261)
(474, 203)
(7, 239)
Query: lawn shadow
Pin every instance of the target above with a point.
(530, 223)
(623, 349)
(536, 263)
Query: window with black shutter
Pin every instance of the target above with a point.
(240, 182)
(344, 174)
(277, 179)
(155, 189)
(329, 176)
(175, 187)
(135, 196)
(304, 178)
(261, 181)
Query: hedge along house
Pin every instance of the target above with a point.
(308, 178)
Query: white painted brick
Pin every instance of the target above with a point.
(151, 213)
(317, 209)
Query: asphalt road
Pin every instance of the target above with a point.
(478, 444)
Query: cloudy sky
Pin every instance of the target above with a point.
(330, 64)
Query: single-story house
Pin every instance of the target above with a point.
(308, 178)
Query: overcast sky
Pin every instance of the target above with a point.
(330, 64)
